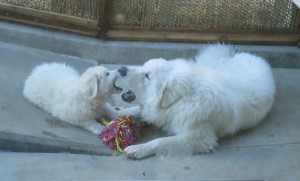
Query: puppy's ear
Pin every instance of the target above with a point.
(170, 94)
(90, 87)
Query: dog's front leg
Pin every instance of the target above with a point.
(174, 145)
(143, 150)
(111, 112)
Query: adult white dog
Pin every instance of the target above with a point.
(78, 100)
(218, 94)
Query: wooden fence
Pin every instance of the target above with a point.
(234, 21)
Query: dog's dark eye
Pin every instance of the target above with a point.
(107, 74)
(147, 76)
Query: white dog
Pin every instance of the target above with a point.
(218, 94)
(75, 99)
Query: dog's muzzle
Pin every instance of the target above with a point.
(128, 96)
(116, 87)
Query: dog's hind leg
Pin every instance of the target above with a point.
(174, 145)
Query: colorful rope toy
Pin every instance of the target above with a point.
(121, 132)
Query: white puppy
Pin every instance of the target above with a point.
(75, 99)
(218, 94)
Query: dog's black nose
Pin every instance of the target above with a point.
(123, 71)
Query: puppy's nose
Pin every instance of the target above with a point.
(123, 71)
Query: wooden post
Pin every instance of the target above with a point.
(297, 28)
(105, 17)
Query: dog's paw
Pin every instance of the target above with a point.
(96, 129)
(137, 151)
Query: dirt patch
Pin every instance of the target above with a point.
(52, 135)
(55, 123)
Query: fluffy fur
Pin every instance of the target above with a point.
(196, 102)
(71, 97)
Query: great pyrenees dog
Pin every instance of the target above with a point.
(219, 93)
(71, 97)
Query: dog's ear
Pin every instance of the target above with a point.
(170, 94)
(90, 87)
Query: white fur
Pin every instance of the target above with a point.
(220, 93)
(75, 99)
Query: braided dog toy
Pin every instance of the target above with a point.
(120, 132)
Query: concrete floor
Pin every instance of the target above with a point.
(276, 162)
(270, 151)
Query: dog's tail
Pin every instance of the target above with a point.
(214, 52)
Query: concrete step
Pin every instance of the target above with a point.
(122, 52)
(25, 127)
(269, 163)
